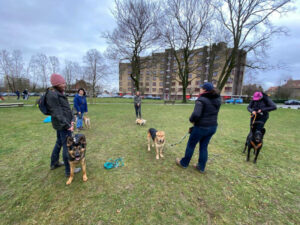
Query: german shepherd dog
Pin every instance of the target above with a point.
(255, 141)
(76, 150)
(158, 138)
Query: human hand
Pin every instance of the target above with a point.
(79, 113)
(254, 112)
(259, 111)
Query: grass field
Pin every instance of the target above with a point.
(146, 190)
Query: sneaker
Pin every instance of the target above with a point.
(177, 161)
(198, 169)
(56, 165)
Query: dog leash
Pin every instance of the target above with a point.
(171, 145)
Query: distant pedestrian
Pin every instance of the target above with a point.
(18, 94)
(80, 105)
(137, 105)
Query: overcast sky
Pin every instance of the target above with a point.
(69, 28)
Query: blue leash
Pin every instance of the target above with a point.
(113, 163)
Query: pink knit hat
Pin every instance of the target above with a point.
(57, 79)
(257, 96)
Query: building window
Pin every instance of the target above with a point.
(154, 84)
(129, 72)
(154, 78)
(141, 83)
(154, 89)
(197, 82)
(161, 84)
(215, 74)
(147, 78)
(197, 89)
(173, 83)
(147, 83)
(189, 83)
(129, 78)
(173, 89)
(120, 77)
(229, 81)
(148, 73)
(162, 72)
(191, 62)
(129, 89)
(199, 68)
(200, 53)
(179, 89)
(147, 89)
(190, 75)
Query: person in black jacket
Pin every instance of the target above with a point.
(61, 118)
(259, 107)
(204, 118)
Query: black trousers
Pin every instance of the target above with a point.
(138, 111)
(260, 121)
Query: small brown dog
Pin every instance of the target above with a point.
(140, 122)
(159, 139)
(87, 122)
(76, 151)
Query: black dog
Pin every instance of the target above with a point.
(255, 141)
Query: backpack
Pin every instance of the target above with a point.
(43, 105)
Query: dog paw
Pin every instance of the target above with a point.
(69, 182)
(149, 149)
(157, 156)
(84, 178)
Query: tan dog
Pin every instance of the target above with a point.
(76, 151)
(87, 122)
(158, 138)
(140, 122)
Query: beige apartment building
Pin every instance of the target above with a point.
(159, 73)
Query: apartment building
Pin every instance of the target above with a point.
(159, 73)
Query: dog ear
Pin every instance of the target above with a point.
(69, 141)
(82, 141)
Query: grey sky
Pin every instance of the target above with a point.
(68, 28)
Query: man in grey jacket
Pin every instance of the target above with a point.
(61, 118)
(137, 105)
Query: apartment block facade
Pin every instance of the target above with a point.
(159, 73)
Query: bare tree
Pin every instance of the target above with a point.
(72, 71)
(248, 23)
(53, 64)
(183, 29)
(12, 67)
(96, 68)
(33, 72)
(135, 33)
(42, 63)
(6, 68)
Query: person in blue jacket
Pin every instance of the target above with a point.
(81, 107)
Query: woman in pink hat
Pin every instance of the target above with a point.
(260, 106)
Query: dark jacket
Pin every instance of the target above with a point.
(206, 110)
(58, 105)
(265, 105)
(80, 103)
(137, 100)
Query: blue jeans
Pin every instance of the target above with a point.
(61, 141)
(202, 135)
(79, 120)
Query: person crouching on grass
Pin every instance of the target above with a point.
(61, 118)
(137, 105)
(81, 107)
(204, 118)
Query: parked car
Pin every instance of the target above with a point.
(292, 102)
(11, 94)
(128, 96)
(116, 96)
(148, 97)
(104, 96)
(4, 94)
(193, 99)
(234, 101)
(157, 98)
(34, 94)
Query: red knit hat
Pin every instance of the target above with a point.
(57, 79)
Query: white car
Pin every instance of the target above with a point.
(127, 96)
(193, 99)
(104, 96)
